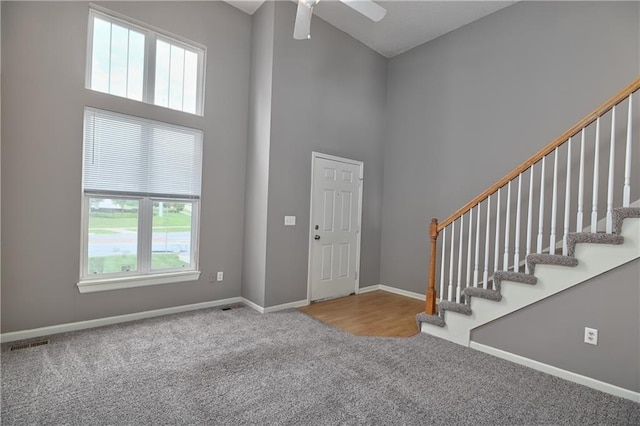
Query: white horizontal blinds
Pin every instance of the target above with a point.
(117, 59)
(133, 156)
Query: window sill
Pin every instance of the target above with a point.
(106, 284)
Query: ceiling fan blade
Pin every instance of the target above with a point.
(302, 28)
(368, 8)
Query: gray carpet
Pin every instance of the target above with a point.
(240, 367)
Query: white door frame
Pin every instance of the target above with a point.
(360, 165)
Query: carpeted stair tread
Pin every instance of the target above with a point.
(592, 238)
(429, 319)
(483, 293)
(621, 214)
(454, 307)
(549, 259)
(517, 277)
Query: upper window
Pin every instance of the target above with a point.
(139, 62)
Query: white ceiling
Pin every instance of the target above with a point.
(406, 25)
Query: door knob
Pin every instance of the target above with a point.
(317, 237)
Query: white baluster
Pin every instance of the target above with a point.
(567, 201)
(554, 205)
(529, 217)
(485, 275)
(507, 224)
(469, 248)
(459, 288)
(579, 217)
(541, 211)
(496, 252)
(442, 264)
(626, 194)
(612, 154)
(450, 289)
(516, 243)
(476, 270)
(596, 178)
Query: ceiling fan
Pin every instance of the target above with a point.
(302, 29)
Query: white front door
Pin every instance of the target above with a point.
(335, 227)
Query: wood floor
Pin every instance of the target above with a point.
(377, 313)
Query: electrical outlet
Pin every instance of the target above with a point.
(591, 336)
(220, 276)
(290, 221)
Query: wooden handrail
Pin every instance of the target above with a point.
(572, 131)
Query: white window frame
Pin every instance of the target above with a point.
(152, 34)
(143, 275)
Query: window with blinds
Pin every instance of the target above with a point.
(141, 185)
(135, 156)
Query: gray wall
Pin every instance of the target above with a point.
(43, 96)
(419, 118)
(552, 330)
(466, 108)
(328, 96)
(254, 263)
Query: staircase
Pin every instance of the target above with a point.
(549, 274)
(489, 266)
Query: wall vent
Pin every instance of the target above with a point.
(229, 307)
(28, 345)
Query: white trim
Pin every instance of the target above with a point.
(368, 289)
(360, 165)
(393, 290)
(100, 322)
(284, 306)
(252, 305)
(402, 292)
(263, 310)
(139, 25)
(315, 154)
(558, 372)
(92, 286)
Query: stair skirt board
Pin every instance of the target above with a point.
(593, 260)
(558, 372)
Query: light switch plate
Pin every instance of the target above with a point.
(289, 220)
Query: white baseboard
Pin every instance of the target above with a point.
(393, 290)
(252, 305)
(82, 325)
(402, 292)
(100, 322)
(369, 289)
(290, 305)
(558, 372)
